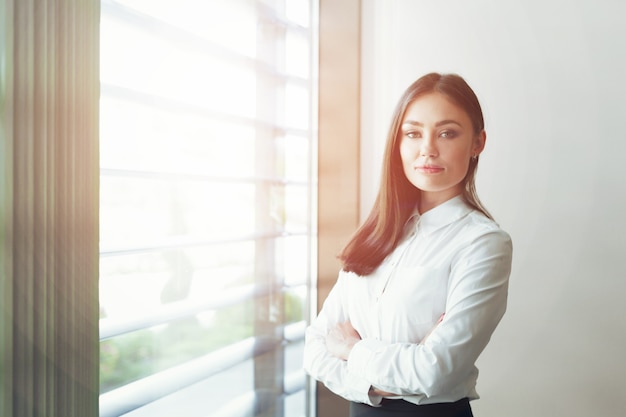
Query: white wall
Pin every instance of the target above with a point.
(550, 75)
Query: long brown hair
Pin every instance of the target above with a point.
(397, 198)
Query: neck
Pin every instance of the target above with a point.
(430, 200)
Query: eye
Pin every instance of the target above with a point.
(447, 134)
(413, 134)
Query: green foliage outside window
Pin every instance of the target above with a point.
(136, 355)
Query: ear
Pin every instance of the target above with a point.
(479, 143)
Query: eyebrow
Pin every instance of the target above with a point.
(441, 123)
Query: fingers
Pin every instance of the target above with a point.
(347, 329)
(382, 393)
(341, 338)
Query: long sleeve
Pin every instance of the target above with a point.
(322, 366)
(444, 365)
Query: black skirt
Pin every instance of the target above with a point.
(401, 408)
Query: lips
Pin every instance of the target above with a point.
(429, 169)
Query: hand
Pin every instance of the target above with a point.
(376, 391)
(340, 340)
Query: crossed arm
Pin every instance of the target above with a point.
(342, 338)
(442, 362)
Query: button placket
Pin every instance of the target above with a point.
(393, 264)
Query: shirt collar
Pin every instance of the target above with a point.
(440, 216)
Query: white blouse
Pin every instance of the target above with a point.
(453, 260)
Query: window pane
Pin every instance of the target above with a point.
(292, 260)
(297, 110)
(297, 54)
(229, 23)
(187, 75)
(205, 221)
(139, 285)
(207, 397)
(298, 11)
(295, 151)
(294, 374)
(139, 211)
(142, 137)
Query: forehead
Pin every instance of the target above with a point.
(433, 108)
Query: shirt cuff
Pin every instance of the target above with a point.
(358, 361)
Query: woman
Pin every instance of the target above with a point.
(425, 278)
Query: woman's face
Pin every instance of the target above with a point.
(436, 144)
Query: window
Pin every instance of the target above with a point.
(207, 152)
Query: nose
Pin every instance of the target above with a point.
(428, 147)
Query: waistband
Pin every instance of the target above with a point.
(401, 408)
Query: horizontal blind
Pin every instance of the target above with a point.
(207, 195)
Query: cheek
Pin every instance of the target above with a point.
(407, 153)
(461, 162)
(460, 155)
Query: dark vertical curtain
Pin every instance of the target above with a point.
(49, 198)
